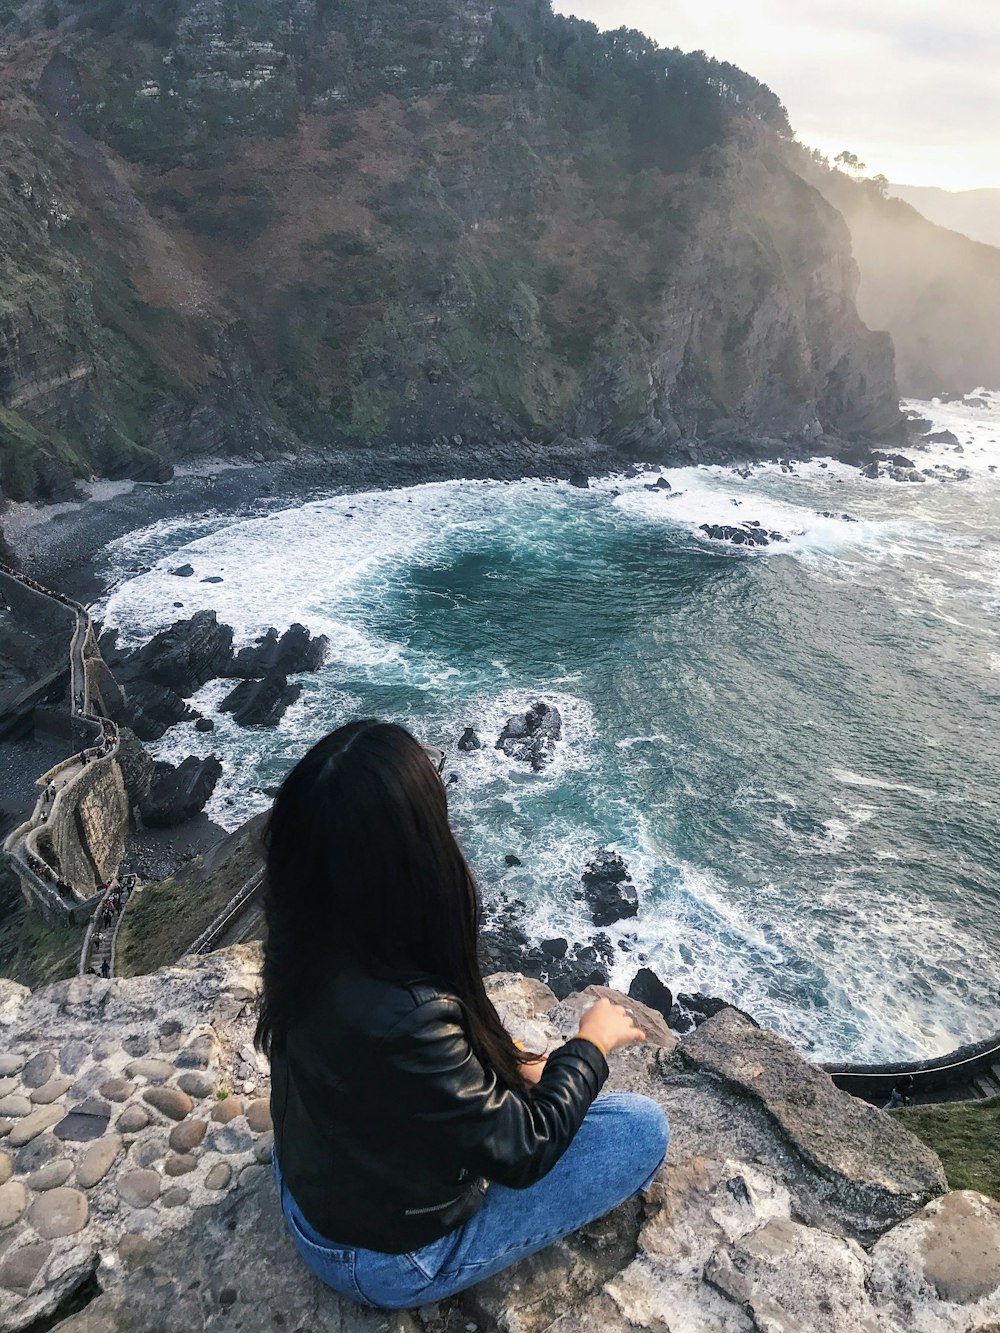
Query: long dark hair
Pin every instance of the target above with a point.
(361, 857)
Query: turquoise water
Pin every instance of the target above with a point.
(795, 749)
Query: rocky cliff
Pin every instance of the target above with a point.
(934, 290)
(239, 227)
(135, 1191)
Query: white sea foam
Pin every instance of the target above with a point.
(840, 965)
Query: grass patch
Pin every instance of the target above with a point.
(34, 953)
(164, 919)
(966, 1136)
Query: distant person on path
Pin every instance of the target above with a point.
(417, 1149)
(901, 1094)
(105, 968)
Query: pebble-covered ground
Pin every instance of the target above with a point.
(162, 1111)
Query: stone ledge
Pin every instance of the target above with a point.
(752, 1224)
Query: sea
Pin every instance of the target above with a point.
(794, 747)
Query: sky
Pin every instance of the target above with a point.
(911, 86)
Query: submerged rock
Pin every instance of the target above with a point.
(608, 889)
(748, 534)
(531, 737)
(260, 703)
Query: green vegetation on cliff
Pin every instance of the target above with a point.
(966, 1136)
(243, 227)
(163, 919)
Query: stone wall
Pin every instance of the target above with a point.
(136, 1138)
(84, 838)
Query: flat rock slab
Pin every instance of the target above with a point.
(117, 1089)
(85, 1121)
(153, 1071)
(879, 1172)
(59, 1212)
(15, 1104)
(227, 1110)
(51, 1091)
(132, 1119)
(50, 1176)
(196, 1084)
(20, 1267)
(139, 1188)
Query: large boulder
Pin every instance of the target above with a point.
(183, 657)
(647, 987)
(296, 650)
(178, 793)
(531, 737)
(260, 703)
(861, 1169)
(152, 709)
(608, 888)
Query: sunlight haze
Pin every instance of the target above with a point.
(911, 86)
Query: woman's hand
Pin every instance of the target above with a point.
(532, 1072)
(610, 1025)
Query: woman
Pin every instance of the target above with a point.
(417, 1150)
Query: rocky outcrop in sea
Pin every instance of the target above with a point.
(135, 1189)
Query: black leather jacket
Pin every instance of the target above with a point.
(387, 1128)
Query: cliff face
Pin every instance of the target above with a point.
(784, 1206)
(241, 227)
(936, 292)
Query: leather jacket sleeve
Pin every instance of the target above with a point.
(498, 1133)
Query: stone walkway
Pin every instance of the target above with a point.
(22, 843)
(136, 1103)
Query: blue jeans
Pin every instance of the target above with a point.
(617, 1152)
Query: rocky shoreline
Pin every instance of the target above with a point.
(62, 543)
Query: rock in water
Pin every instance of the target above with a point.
(531, 737)
(750, 534)
(690, 1011)
(180, 793)
(296, 650)
(469, 740)
(647, 987)
(608, 889)
(580, 479)
(183, 657)
(153, 708)
(260, 703)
